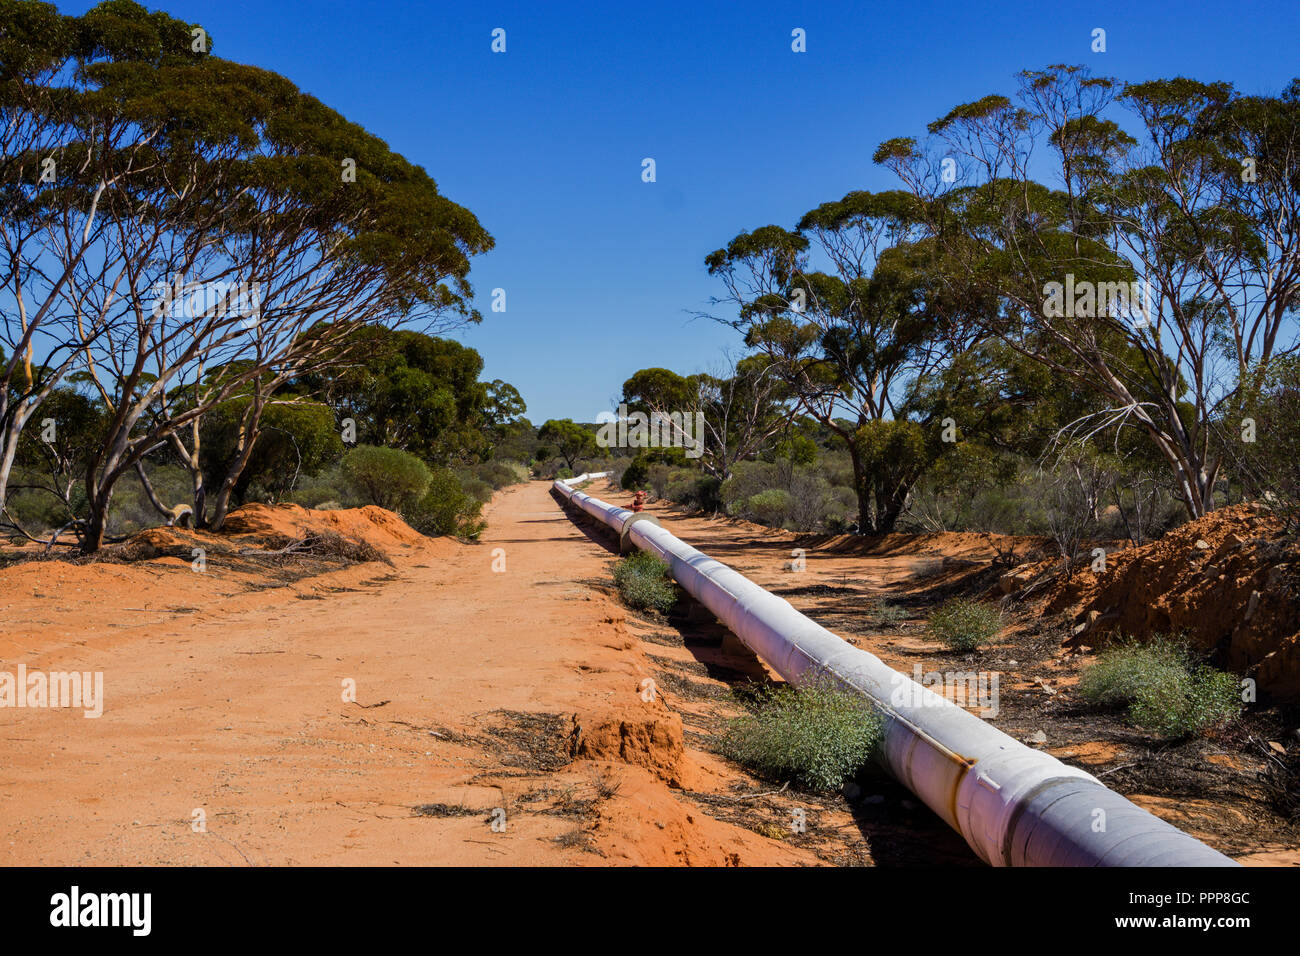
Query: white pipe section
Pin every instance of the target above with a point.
(1014, 805)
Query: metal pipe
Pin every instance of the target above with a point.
(1014, 805)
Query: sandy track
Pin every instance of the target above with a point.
(233, 706)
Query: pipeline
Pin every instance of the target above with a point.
(1014, 805)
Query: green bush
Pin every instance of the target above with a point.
(477, 488)
(643, 583)
(819, 734)
(387, 477)
(636, 475)
(1165, 690)
(446, 509)
(963, 624)
(886, 614)
(687, 487)
(500, 472)
(312, 491)
(771, 506)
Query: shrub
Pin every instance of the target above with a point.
(886, 614)
(771, 506)
(707, 495)
(809, 500)
(963, 624)
(643, 583)
(636, 475)
(690, 489)
(477, 488)
(314, 490)
(445, 508)
(748, 479)
(658, 478)
(819, 734)
(681, 489)
(501, 472)
(1165, 690)
(387, 477)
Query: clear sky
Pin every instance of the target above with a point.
(544, 143)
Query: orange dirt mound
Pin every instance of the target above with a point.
(375, 526)
(643, 736)
(1227, 581)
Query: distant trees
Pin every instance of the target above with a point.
(568, 440)
(859, 346)
(182, 232)
(1154, 287)
(418, 393)
(743, 407)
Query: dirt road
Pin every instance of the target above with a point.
(226, 738)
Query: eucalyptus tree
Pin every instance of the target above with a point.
(245, 231)
(742, 407)
(569, 440)
(45, 231)
(404, 389)
(1163, 268)
(860, 344)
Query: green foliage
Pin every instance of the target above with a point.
(782, 493)
(818, 734)
(964, 624)
(500, 472)
(636, 476)
(570, 440)
(886, 614)
(418, 393)
(1270, 463)
(224, 159)
(771, 506)
(658, 388)
(644, 584)
(799, 449)
(296, 438)
(446, 508)
(387, 477)
(1163, 688)
(325, 488)
(693, 490)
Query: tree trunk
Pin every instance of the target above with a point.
(862, 488)
(248, 433)
(889, 507)
(9, 450)
(96, 522)
(149, 493)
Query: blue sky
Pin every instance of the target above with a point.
(544, 143)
